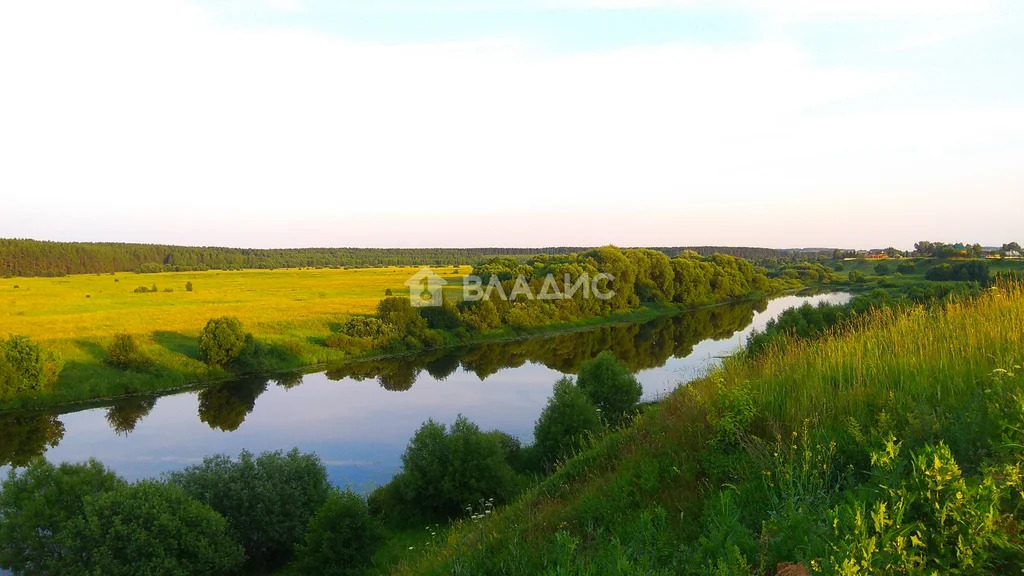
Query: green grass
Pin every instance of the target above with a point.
(742, 467)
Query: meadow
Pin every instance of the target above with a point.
(76, 317)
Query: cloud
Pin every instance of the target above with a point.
(149, 121)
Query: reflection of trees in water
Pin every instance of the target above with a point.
(640, 346)
(225, 406)
(288, 380)
(125, 414)
(25, 436)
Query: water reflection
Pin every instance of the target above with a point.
(359, 416)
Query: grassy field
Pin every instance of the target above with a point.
(75, 317)
(911, 422)
(98, 306)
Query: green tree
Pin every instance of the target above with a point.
(610, 385)
(443, 472)
(398, 312)
(267, 500)
(565, 422)
(221, 340)
(37, 508)
(24, 366)
(341, 539)
(882, 269)
(149, 528)
(124, 352)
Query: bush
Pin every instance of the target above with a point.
(906, 268)
(221, 340)
(268, 500)
(443, 472)
(882, 269)
(857, 277)
(39, 505)
(188, 286)
(150, 528)
(565, 422)
(341, 538)
(348, 344)
(23, 366)
(610, 385)
(123, 352)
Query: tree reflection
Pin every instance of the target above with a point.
(27, 435)
(125, 414)
(225, 407)
(640, 346)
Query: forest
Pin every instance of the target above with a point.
(37, 258)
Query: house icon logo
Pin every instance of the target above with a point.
(425, 288)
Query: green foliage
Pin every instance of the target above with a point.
(565, 423)
(268, 500)
(398, 312)
(188, 286)
(22, 367)
(973, 271)
(150, 528)
(221, 340)
(37, 509)
(882, 269)
(341, 539)
(857, 277)
(124, 352)
(609, 384)
(926, 517)
(906, 267)
(444, 471)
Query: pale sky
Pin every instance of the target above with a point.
(418, 123)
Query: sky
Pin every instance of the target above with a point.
(467, 123)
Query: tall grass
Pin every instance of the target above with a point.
(673, 493)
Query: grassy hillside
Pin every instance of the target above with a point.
(894, 448)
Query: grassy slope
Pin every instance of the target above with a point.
(628, 503)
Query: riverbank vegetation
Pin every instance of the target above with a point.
(891, 447)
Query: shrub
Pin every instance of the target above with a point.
(565, 422)
(906, 267)
(610, 385)
(221, 340)
(124, 352)
(150, 528)
(38, 506)
(268, 500)
(348, 344)
(23, 366)
(857, 277)
(188, 286)
(882, 269)
(168, 289)
(341, 538)
(443, 472)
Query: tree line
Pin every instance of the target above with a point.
(20, 257)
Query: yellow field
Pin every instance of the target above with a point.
(266, 301)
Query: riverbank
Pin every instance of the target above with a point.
(777, 459)
(86, 379)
